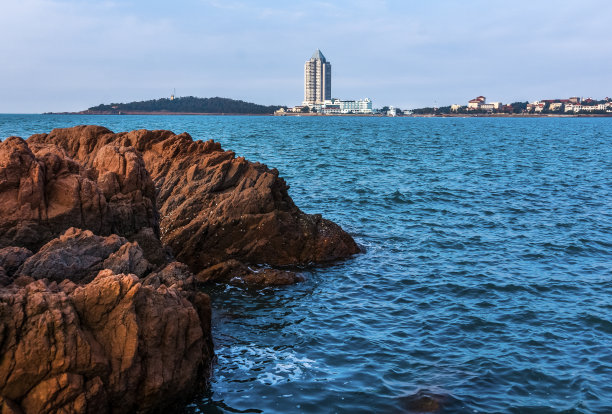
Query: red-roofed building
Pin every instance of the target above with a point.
(480, 103)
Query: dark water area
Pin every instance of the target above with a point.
(486, 282)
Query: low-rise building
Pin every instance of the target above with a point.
(362, 106)
(586, 108)
(480, 103)
(331, 109)
(537, 106)
(476, 102)
(298, 108)
(490, 106)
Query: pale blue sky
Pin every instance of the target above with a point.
(67, 55)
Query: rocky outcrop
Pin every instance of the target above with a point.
(96, 315)
(99, 318)
(113, 345)
(43, 192)
(213, 206)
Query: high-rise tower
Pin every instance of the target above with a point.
(317, 79)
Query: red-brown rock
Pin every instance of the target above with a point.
(98, 319)
(236, 273)
(213, 206)
(113, 345)
(43, 192)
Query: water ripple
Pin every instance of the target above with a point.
(486, 282)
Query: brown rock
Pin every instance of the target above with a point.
(79, 255)
(175, 274)
(87, 325)
(236, 273)
(113, 345)
(129, 259)
(9, 407)
(151, 245)
(213, 206)
(11, 258)
(4, 277)
(425, 401)
(71, 394)
(223, 272)
(128, 189)
(43, 192)
(268, 277)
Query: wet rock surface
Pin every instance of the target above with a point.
(236, 273)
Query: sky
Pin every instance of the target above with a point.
(69, 55)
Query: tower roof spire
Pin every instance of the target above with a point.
(318, 55)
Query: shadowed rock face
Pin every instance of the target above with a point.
(213, 206)
(78, 255)
(11, 258)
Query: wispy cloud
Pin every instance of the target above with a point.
(70, 54)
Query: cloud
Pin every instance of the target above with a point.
(71, 54)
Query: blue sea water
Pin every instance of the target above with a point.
(486, 281)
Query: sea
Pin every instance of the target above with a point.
(485, 281)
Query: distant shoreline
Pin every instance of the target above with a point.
(149, 113)
(511, 116)
(340, 115)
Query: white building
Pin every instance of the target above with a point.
(317, 80)
(489, 106)
(338, 106)
(585, 108)
(476, 102)
(480, 103)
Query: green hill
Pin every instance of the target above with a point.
(188, 104)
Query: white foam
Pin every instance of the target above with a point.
(267, 365)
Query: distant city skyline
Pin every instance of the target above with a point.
(68, 55)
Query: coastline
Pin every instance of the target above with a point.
(339, 115)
